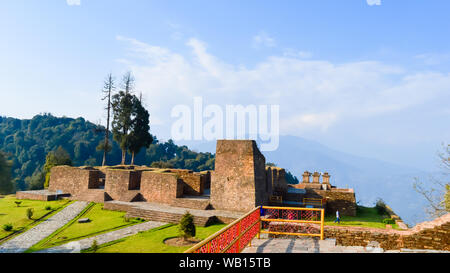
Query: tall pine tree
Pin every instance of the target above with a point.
(122, 105)
(140, 136)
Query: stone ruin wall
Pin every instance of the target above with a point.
(241, 181)
(73, 180)
(343, 200)
(427, 235)
(126, 183)
(194, 183)
(269, 181)
(238, 182)
(277, 176)
(160, 187)
(122, 185)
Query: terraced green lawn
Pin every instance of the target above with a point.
(10, 213)
(152, 241)
(101, 221)
(365, 217)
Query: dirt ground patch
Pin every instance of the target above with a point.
(180, 241)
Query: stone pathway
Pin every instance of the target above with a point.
(314, 245)
(31, 237)
(77, 246)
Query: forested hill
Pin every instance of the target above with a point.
(27, 142)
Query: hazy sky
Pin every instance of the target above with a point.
(368, 77)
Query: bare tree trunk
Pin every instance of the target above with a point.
(124, 154)
(109, 86)
(132, 158)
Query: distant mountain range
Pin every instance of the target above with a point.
(370, 178)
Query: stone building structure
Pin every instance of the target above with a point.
(240, 182)
(333, 198)
(239, 179)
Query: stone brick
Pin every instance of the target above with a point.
(239, 181)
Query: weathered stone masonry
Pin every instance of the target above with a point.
(239, 179)
(240, 182)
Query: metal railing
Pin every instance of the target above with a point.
(237, 235)
(296, 221)
(233, 238)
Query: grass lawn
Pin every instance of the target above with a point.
(152, 241)
(101, 221)
(365, 217)
(11, 214)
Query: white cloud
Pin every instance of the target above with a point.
(289, 52)
(433, 58)
(373, 2)
(312, 94)
(73, 2)
(263, 39)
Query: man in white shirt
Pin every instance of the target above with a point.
(338, 218)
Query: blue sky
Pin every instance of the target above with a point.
(366, 77)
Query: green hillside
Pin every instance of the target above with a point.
(27, 142)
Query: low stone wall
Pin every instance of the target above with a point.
(396, 218)
(41, 195)
(427, 235)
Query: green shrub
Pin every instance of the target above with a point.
(18, 203)
(30, 213)
(48, 208)
(381, 207)
(94, 246)
(186, 226)
(7, 227)
(389, 221)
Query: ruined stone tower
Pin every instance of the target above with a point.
(239, 180)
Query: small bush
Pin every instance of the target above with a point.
(48, 208)
(126, 218)
(94, 246)
(7, 227)
(30, 213)
(380, 206)
(186, 226)
(18, 203)
(389, 221)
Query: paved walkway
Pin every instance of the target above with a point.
(77, 246)
(314, 245)
(305, 245)
(31, 237)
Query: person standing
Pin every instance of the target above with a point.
(338, 218)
